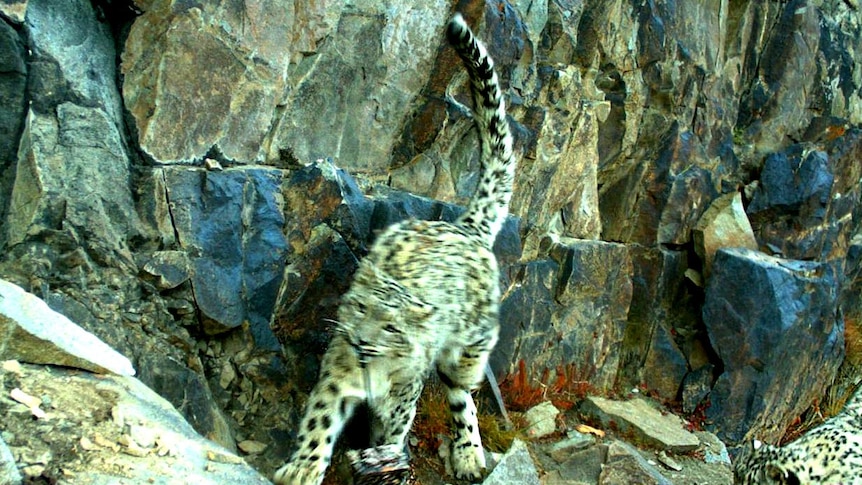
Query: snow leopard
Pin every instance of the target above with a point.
(424, 299)
(830, 454)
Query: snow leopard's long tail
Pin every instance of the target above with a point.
(489, 206)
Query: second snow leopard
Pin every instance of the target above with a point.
(425, 299)
(830, 454)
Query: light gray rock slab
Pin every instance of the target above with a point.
(30, 331)
(647, 424)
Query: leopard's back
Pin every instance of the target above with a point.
(828, 454)
(450, 274)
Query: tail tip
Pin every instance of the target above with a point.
(457, 28)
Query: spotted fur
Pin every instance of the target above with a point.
(424, 299)
(830, 454)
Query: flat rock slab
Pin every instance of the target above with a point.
(30, 331)
(647, 425)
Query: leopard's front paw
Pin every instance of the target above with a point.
(299, 472)
(468, 460)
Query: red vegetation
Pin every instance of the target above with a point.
(563, 389)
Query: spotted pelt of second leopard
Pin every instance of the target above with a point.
(425, 299)
(828, 454)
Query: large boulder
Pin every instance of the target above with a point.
(568, 313)
(774, 326)
(230, 224)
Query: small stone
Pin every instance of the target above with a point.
(12, 366)
(515, 466)
(104, 442)
(33, 470)
(714, 450)
(88, 445)
(219, 457)
(171, 268)
(541, 420)
(562, 450)
(145, 437)
(669, 462)
(31, 402)
(227, 376)
(212, 165)
(251, 447)
(723, 225)
(625, 465)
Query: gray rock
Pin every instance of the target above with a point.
(796, 185)
(773, 323)
(661, 336)
(394, 46)
(562, 451)
(541, 420)
(73, 60)
(171, 268)
(580, 298)
(515, 466)
(9, 474)
(14, 10)
(13, 81)
(647, 425)
(31, 332)
(561, 196)
(714, 450)
(665, 365)
(67, 177)
(696, 386)
(780, 105)
(231, 224)
(660, 199)
(190, 394)
(594, 293)
(625, 465)
(581, 468)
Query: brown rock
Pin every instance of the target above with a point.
(723, 225)
(210, 76)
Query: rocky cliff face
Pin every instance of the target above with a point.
(194, 182)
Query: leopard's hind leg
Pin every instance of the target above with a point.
(330, 406)
(462, 372)
(394, 413)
